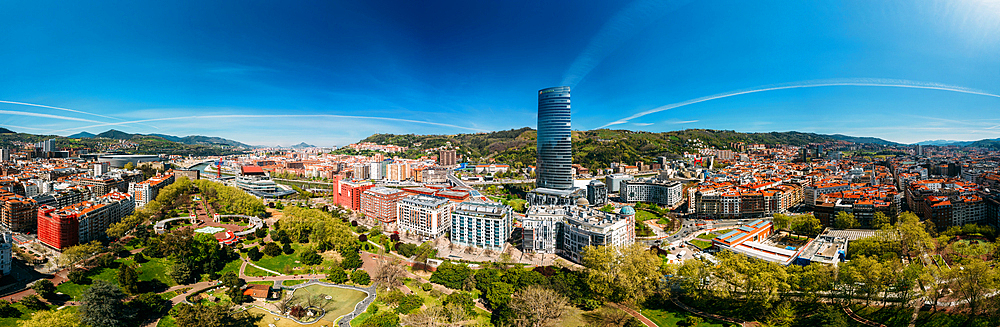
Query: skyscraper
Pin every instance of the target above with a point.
(555, 149)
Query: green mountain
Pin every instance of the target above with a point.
(598, 148)
(109, 141)
(192, 139)
(81, 135)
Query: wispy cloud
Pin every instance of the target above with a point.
(642, 124)
(680, 121)
(56, 108)
(273, 117)
(40, 115)
(620, 28)
(876, 82)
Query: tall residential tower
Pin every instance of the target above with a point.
(555, 148)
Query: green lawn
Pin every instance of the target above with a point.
(643, 215)
(156, 268)
(293, 282)
(255, 272)
(261, 283)
(76, 290)
(342, 300)
(701, 244)
(707, 236)
(233, 266)
(278, 263)
(360, 319)
(670, 318)
(25, 314)
(168, 321)
(573, 318)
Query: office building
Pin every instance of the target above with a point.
(554, 144)
(482, 225)
(83, 222)
(614, 182)
(379, 203)
(101, 168)
(597, 193)
(6, 253)
(18, 213)
(4, 155)
(667, 193)
(147, 190)
(447, 157)
(424, 215)
(568, 230)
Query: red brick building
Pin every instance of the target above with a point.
(380, 203)
(350, 193)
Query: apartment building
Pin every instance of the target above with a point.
(482, 225)
(18, 213)
(83, 222)
(146, 191)
(568, 230)
(667, 193)
(380, 203)
(424, 215)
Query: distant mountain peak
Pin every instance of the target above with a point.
(81, 135)
(6, 131)
(302, 146)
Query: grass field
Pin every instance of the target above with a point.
(255, 272)
(342, 300)
(76, 290)
(707, 236)
(156, 268)
(282, 321)
(573, 318)
(278, 263)
(671, 318)
(293, 282)
(643, 215)
(701, 244)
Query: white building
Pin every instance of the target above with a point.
(481, 225)
(6, 248)
(652, 191)
(568, 230)
(147, 190)
(424, 215)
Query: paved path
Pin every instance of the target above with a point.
(247, 262)
(643, 319)
(709, 315)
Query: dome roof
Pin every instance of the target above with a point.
(582, 202)
(627, 210)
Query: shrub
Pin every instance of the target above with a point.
(337, 276)
(426, 287)
(360, 277)
(287, 249)
(272, 249)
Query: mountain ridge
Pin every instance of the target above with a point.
(190, 139)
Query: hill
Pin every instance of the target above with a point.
(111, 141)
(598, 148)
(81, 135)
(192, 139)
(6, 131)
(302, 145)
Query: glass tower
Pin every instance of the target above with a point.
(555, 149)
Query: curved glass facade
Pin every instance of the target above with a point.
(555, 149)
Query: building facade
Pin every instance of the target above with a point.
(6, 253)
(424, 215)
(350, 193)
(147, 190)
(482, 225)
(83, 222)
(568, 230)
(447, 157)
(666, 193)
(18, 213)
(555, 150)
(597, 193)
(379, 203)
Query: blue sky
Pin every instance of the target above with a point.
(331, 73)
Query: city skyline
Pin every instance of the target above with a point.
(332, 74)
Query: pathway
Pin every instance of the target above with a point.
(709, 315)
(857, 318)
(643, 319)
(247, 262)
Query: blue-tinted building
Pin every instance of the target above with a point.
(555, 149)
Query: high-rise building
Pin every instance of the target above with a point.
(147, 190)
(101, 168)
(18, 213)
(447, 157)
(555, 149)
(6, 245)
(380, 203)
(4, 155)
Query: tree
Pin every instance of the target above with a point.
(451, 275)
(78, 277)
(622, 274)
(128, 279)
(881, 220)
(352, 260)
(182, 273)
(272, 249)
(129, 166)
(382, 319)
(150, 305)
(310, 258)
(610, 317)
(360, 277)
(429, 317)
(781, 221)
(337, 276)
(200, 315)
(388, 274)
(74, 254)
(44, 288)
(254, 254)
(33, 302)
(57, 318)
(102, 306)
(409, 303)
(844, 220)
(807, 225)
(537, 307)
(974, 282)
(693, 320)
(287, 248)
(498, 294)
